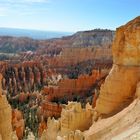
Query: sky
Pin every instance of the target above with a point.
(67, 15)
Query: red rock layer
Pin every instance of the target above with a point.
(18, 123)
(68, 88)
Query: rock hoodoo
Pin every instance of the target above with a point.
(5, 116)
(73, 117)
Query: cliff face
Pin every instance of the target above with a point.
(72, 56)
(126, 49)
(97, 37)
(120, 85)
(113, 96)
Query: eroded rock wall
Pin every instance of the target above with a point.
(68, 88)
(73, 56)
(120, 85)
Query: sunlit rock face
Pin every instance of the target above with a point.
(126, 47)
(119, 87)
(5, 116)
(73, 117)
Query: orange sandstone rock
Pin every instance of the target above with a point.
(126, 50)
(120, 85)
(73, 117)
(18, 123)
(42, 127)
(5, 116)
(67, 87)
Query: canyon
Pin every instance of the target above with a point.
(72, 88)
(38, 82)
(117, 107)
(68, 90)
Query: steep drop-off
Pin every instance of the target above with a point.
(125, 71)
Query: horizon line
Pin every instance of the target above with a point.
(61, 31)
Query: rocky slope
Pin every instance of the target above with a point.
(116, 127)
